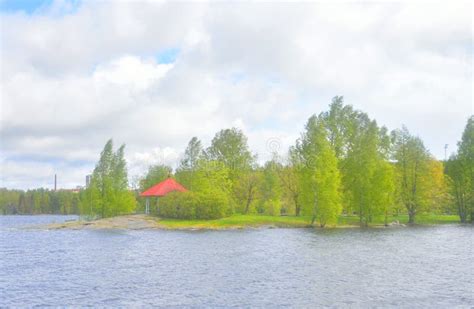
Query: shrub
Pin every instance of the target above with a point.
(272, 207)
(194, 205)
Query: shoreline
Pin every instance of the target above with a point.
(236, 222)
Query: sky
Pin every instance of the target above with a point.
(154, 74)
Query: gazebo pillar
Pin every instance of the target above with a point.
(147, 206)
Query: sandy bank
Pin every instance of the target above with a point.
(128, 222)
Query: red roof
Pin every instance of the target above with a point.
(163, 188)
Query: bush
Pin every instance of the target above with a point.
(272, 207)
(192, 205)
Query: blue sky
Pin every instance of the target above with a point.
(167, 56)
(154, 74)
(34, 6)
(27, 6)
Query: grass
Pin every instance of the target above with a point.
(237, 221)
(243, 221)
(423, 219)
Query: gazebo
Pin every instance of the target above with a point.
(161, 189)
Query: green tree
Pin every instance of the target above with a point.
(155, 174)
(383, 189)
(230, 147)
(368, 195)
(192, 154)
(187, 167)
(439, 198)
(9, 200)
(212, 180)
(290, 180)
(246, 189)
(45, 203)
(108, 193)
(412, 160)
(270, 189)
(340, 122)
(320, 175)
(460, 169)
(212, 176)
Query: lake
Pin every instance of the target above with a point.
(397, 267)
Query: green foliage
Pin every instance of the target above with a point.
(412, 172)
(340, 122)
(362, 148)
(108, 193)
(39, 201)
(188, 165)
(230, 147)
(212, 176)
(192, 155)
(370, 194)
(156, 173)
(209, 199)
(246, 190)
(290, 183)
(320, 178)
(460, 169)
(270, 189)
(382, 195)
(193, 205)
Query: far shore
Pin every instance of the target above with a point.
(148, 222)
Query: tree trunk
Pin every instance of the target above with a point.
(411, 217)
(297, 207)
(313, 219)
(247, 205)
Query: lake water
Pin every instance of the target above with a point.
(429, 267)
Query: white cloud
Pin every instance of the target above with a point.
(72, 77)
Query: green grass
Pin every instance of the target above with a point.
(243, 221)
(237, 221)
(422, 219)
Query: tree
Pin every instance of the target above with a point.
(466, 155)
(438, 197)
(230, 147)
(270, 189)
(156, 173)
(108, 193)
(192, 154)
(460, 169)
(412, 160)
(369, 194)
(246, 189)
(212, 183)
(289, 179)
(212, 176)
(339, 121)
(319, 174)
(188, 165)
(383, 190)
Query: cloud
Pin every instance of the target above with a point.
(154, 74)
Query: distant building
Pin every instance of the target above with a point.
(77, 189)
(88, 180)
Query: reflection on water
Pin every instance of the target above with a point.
(408, 267)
